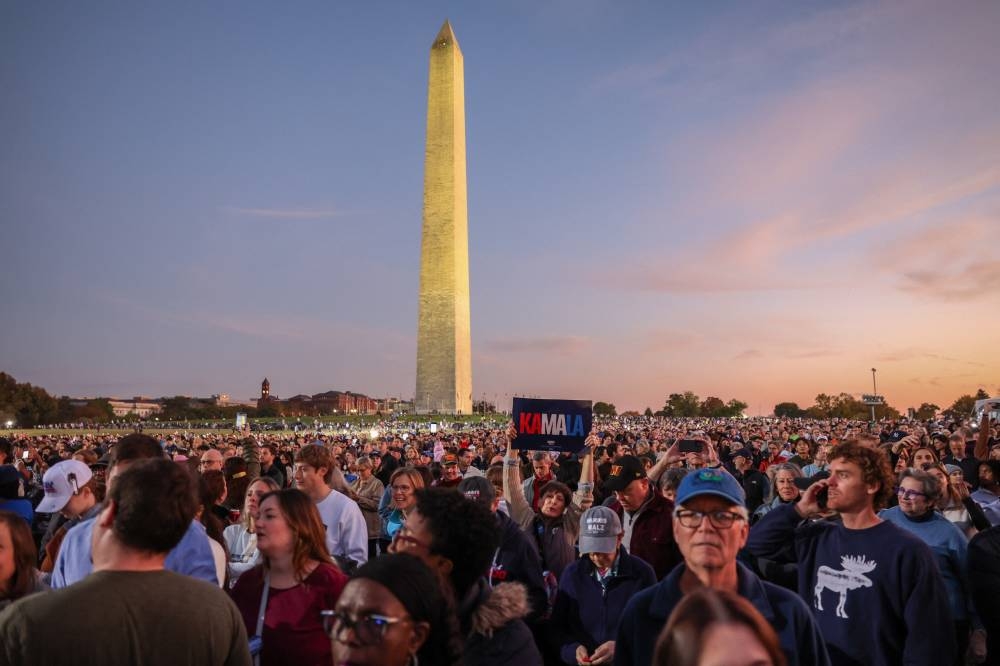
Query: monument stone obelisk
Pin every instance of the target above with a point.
(444, 343)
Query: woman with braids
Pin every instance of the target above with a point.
(457, 538)
(394, 613)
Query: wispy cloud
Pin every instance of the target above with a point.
(748, 354)
(566, 344)
(917, 353)
(976, 280)
(815, 353)
(285, 213)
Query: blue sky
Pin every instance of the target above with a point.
(752, 200)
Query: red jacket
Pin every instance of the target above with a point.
(653, 534)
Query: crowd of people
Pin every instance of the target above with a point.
(662, 541)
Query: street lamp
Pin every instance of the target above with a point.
(875, 390)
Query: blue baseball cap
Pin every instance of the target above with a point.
(710, 481)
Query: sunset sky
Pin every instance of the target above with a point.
(761, 200)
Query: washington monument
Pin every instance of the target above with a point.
(444, 346)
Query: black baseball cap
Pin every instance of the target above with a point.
(624, 470)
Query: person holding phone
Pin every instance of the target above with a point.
(875, 589)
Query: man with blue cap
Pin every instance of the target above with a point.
(710, 527)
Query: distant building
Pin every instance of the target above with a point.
(329, 403)
(134, 407)
(221, 399)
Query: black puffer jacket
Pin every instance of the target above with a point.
(492, 622)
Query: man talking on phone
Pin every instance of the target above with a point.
(874, 588)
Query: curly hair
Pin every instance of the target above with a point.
(875, 468)
(464, 532)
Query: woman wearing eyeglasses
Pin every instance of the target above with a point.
(281, 599)
(394, 613)
(917, 492)
(398, 499)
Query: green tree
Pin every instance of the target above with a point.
(177, 407)
(926, 411)
(788, 409)
(648, 412)
(982, 395)
(28, 405)
(735, 407)
(604, 409)
(961, 408)
(682, 404)
(98, 410)
(712, 406)
(823, 407)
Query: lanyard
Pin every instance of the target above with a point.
(262, 611)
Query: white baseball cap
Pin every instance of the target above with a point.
(61, 482)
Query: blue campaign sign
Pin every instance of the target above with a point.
(552, 425)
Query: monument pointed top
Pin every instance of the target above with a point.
(445, 36)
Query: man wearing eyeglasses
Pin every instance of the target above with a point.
(211, 459)
(710, 527)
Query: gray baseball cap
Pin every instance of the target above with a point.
(599, 530)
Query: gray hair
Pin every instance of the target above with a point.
(931, 484)
(772, 473)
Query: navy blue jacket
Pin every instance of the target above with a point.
(584, 614)
(647, 613)
(517, 560)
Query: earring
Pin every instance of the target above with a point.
(413, 660)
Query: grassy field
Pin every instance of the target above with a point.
(351, 422)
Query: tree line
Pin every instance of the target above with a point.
(846, 406)
(684, 404)
(27, 406)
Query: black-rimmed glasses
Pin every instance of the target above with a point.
(908, 494)
(369, 629)
(721, 520)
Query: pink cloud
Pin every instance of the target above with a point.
(565, 344)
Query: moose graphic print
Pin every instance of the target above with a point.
(851, 577)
